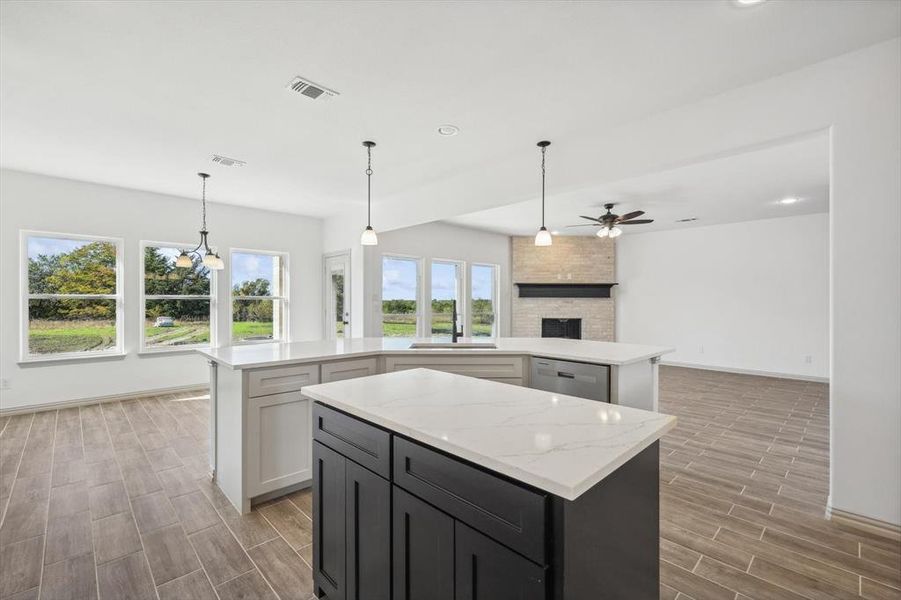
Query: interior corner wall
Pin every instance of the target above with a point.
(38, 202)
(747, 297)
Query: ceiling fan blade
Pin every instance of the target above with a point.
(590, 218)
(636, 222)
(631, 215)
(586, 225)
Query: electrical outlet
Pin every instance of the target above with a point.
(808, 359)
(4, 384)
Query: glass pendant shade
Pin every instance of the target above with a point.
(369, 237)
(543, 237)
(212, 261)
(184, 261)
(616, 232)
(603, 232)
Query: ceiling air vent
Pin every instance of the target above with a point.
(226, 161)
(310, 89)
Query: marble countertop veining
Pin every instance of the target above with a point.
(274, 354)
(560, 444)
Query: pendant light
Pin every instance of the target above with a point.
(369, 237)
(211, 260)
(543, 237)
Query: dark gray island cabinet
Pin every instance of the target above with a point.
(397, 518)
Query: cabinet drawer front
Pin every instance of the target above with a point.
(473, 366)
(359, 441)
(485, 569)
(499, 508)
(262, 382)
(348, 369)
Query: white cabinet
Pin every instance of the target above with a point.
(348, 369)
(507, 369)
(274, 459)
(278, 429)
(261, 382)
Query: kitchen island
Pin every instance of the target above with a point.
(432, 485)
(261, 424)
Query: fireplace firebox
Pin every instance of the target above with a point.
(561, 328)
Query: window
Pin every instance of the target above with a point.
(400, 287)
(447, 290)
(178, 304)
(484, 300)
(259, 296)
(72, 296)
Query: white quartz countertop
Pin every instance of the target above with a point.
(560, 444)
(273, 354)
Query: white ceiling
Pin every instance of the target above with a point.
(739, 187)
(139, 94)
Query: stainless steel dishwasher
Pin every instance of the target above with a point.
(572, 378)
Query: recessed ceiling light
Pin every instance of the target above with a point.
(448, 130)
(789, 200)
(747, 2)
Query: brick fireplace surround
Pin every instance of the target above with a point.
(582, 259)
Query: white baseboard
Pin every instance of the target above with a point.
(812, 378)
(860, 522)
(98, 399)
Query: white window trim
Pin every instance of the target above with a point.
(496, 290)
(284, 298)
(142, 346)
(422, 328)
(462, 287)
(25, 296)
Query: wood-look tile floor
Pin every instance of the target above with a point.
(114, 501)
(743, 483)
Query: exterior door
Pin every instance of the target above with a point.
(337, 295)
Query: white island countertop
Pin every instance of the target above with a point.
(560, 444)
(253, 356)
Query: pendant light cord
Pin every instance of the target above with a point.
(543, 150)
(203, 205)
(369, 186)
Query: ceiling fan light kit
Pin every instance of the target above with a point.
(609, 223)
(543, 237)
(369, 237)
(210, 260)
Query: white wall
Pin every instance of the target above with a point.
(438, 241)
(29, 201)
(750, 296)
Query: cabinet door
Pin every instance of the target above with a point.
(423, 550)
(329, 540)
(278, 455)
(486, 569)
(368, 534)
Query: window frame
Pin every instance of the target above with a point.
(284, 298)
(421, 312)
(462, 272)
(143, 296)
(495, 300)
(25, 296)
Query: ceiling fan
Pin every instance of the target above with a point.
(609, 222)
